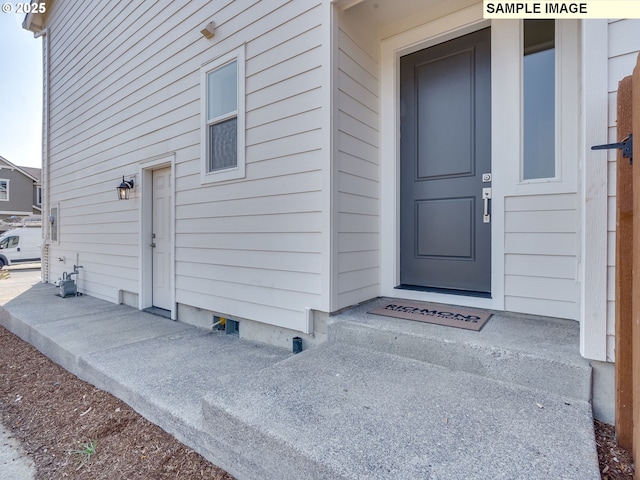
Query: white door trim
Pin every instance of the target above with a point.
(593, 192)
(440, 30)
(146, 224)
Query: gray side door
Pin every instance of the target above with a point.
(445, 96)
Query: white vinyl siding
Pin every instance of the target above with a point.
(249, 248)
(125, 88)
(623, 48)
(541, 239)
(542, 216)
(357, 206)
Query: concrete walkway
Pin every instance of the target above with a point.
(15, 464)
(339, 411)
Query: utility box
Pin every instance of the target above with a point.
(68, 288)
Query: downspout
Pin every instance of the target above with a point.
(46, 231)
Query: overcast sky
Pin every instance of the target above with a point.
(20, 93)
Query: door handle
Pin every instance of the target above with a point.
(153, 245)
(486, 196)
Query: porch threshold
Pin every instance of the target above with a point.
(160, 312)
(445, 291)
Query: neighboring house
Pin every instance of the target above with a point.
(288, 166)
(37, 188)
(20, 192)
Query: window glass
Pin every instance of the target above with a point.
(222, 90)
(9, 242)
(223, 144)
(222, 107)
(222, 112)
(539, 100)
(4, 189)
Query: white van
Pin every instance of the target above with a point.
(20, 245)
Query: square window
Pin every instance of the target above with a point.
(222, 102)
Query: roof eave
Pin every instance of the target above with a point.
(34, 22)
(15, 167)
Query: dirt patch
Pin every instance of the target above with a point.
(615, 463)
(74, 430)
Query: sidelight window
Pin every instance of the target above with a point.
(539, 100)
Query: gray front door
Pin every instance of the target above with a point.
(445, 97)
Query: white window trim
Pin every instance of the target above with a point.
(145, 255)
(593, 191)
(239, 170)
(558, 48)
(440, 30)
(567, 100)
(5, 180)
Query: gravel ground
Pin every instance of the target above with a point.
(70, 429)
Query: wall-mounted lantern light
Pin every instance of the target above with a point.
(125, 188)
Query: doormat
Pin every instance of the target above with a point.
(438, 314)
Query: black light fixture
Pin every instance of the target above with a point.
(124, 189)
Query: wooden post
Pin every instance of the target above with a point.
(636, 265)
(624, 268)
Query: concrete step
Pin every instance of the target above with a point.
(535, 352)
(339, 411)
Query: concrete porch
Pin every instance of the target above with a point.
(390, 398)
(531, 351)
(372, 402)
